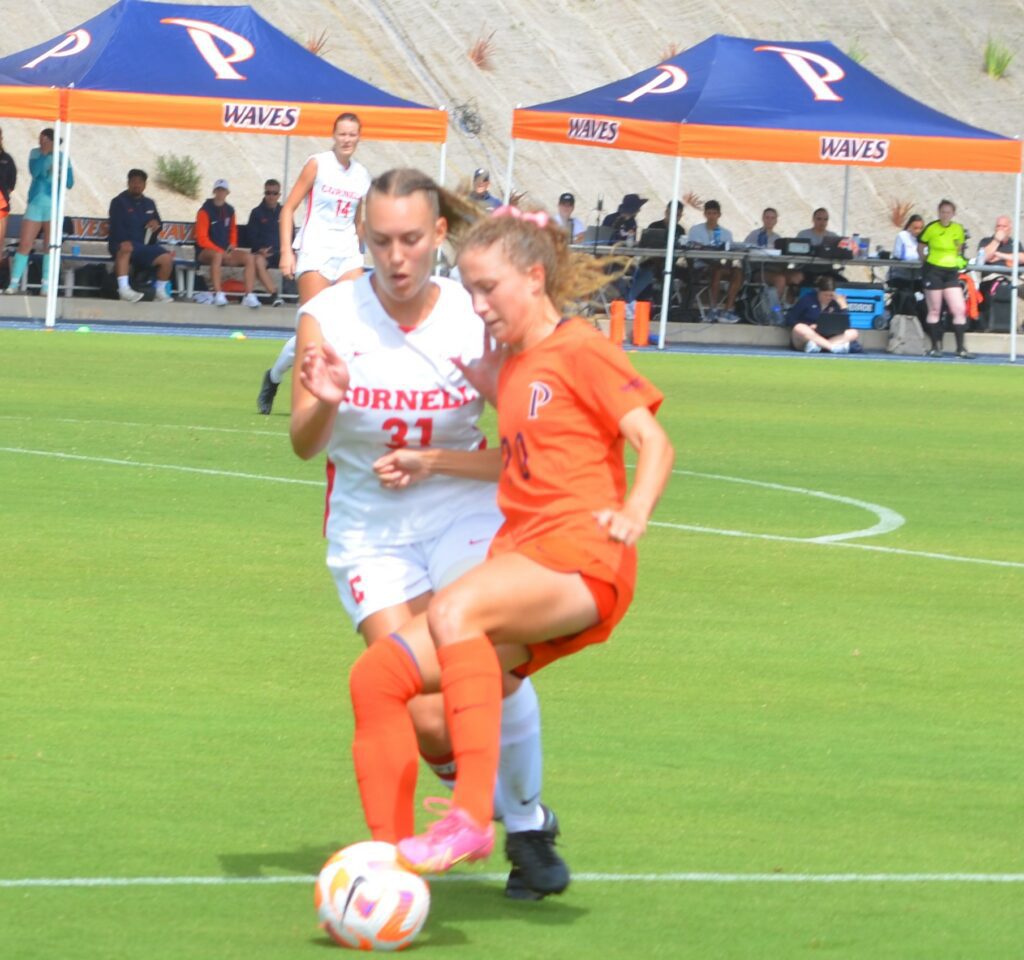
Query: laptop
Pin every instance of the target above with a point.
(597, 235)
(654, 237)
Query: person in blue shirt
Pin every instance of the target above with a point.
(37, 214)
(820, 322)
(264, 236)
(134, 224)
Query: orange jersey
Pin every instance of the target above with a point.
(559, 407)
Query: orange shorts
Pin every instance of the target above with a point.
(607, 568)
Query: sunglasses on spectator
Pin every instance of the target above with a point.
(272, 193)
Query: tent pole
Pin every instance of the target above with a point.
(670, 245)
(51, 290)
(1015, 274)
(287, 156)
(508, 167)
(61, 206)
(442, 170)
(846, 197)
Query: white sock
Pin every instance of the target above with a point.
(520, 769)
(285, 361)
(122, 282)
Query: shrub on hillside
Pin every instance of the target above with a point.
(179, 174)
(997, 59)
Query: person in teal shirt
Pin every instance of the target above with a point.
(941, 244)
(37, 214)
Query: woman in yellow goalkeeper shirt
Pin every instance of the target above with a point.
(941, 244)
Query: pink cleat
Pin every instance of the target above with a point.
(455, 838)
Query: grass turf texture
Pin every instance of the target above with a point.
(174, 698)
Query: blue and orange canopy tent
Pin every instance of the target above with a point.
(198, 68)
(733, 98)
(189, 67)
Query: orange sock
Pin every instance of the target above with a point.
(471, 683)
(384, 748)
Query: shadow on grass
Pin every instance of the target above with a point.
(454, 902)
(304, 860)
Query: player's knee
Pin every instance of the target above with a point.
(447, 616)
(428, 719)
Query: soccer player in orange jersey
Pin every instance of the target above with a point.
(561, 571)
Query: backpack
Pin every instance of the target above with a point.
(906, 336)
(765, 308)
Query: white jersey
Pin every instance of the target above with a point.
(404, 391)
(328, 220)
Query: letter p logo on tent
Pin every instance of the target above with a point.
(203, 33)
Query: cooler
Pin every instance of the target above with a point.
(865, 304)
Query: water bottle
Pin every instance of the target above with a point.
(716, 236)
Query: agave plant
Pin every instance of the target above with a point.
(899, 211)
(482, 51)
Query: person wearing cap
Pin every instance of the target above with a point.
(217, 243)
(573, 225)
(134, 224)
(623, 220)
(481, 192)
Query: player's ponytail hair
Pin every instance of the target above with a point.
(528, 238)
(405, 181)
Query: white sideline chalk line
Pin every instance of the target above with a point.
(830, 541)
(820, 878)
(161, 466)
(151, 426)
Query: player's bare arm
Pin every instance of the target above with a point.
(400, 468)
(317, 391)
(655, 457)
(287, 220)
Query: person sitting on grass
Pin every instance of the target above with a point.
(820, 322)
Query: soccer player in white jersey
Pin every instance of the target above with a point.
(327, 247)
(377, 375)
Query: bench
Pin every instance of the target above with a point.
(88, 239)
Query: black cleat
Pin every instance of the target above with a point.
(935, 352)
(964, 354)
(537, 869)
(268, 390)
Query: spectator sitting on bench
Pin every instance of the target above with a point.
(819, 232)
(710, 234)
(216, 240)
(134, 222)
(264, 232)
(820, 322)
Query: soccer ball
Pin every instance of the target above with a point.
(366, 901)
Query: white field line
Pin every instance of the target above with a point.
(161, 466)
(834, 540)
(888, 520)
(725, 878)
(152, 426)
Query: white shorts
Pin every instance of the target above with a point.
(329, 267)
(378, 577)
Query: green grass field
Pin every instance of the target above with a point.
(173, 699)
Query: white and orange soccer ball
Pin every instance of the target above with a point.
(367, 902)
